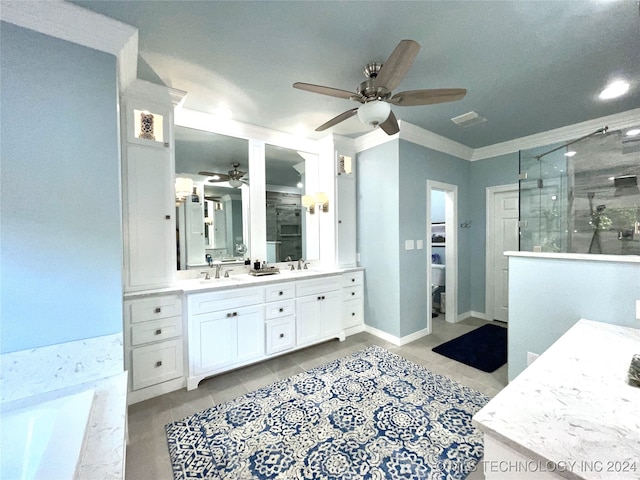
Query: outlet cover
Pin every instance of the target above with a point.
(531, 357)
(419, 244)
(408, 245)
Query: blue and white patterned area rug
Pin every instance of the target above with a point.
(371, 415)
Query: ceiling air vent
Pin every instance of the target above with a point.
(468, 119)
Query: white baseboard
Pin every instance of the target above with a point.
(397, 340)
(469, 314)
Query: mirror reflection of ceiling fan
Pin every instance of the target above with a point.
(375, 94)
(234, 177)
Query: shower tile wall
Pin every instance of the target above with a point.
(284, 223)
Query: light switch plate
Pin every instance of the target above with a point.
(419, 244)
(408, 244)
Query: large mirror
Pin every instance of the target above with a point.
(212, 198)
(291, 231)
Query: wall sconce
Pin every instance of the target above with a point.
(320, 199)
(184, 187)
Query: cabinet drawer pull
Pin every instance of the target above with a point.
(319, 298)
(167, 217)
(353, 293)
(235, 314)
(353, 279)
(229, 315)
(282, 335)
(280, 293)
(158, 310)
(158, 364)
(159, 331)
(353, 314)
(281, 310)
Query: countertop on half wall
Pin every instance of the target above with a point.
(573, 411)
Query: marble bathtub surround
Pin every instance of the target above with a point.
(574, 404)
(35, 371)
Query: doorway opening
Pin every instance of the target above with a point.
(442, 248)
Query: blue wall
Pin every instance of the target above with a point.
(61, 245)
(417, 165)
(502, 170)
(548, 296)
(378, 234)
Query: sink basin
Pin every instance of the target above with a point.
(220, 281)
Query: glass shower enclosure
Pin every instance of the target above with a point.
(582, 196)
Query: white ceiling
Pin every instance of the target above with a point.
(528, 66)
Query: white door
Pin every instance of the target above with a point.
(505, 236)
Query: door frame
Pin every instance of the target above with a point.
(451, 249)
(489, 239)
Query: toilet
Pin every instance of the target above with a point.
(437, 275)
(437, 285)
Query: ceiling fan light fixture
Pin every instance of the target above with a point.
(235, 183)
(374, 112)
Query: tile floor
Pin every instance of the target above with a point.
(147, 452)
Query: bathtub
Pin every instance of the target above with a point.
(44, 440)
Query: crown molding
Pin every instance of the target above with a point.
(614, 122)
(75, 24)
(208, 122)
(414, 134)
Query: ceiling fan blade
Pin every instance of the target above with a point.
(332, 92)
(397, 65)
(335, 120)
(222, 177)
(412, 98)
(390, 125)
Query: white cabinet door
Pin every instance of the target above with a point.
(307, 314)
(220, 339)
(250, 333)
(150, 226)
(346, 221)
(212, 338)
(318, 316)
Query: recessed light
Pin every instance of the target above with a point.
(614, 90)
(570, 154)
(633, 132)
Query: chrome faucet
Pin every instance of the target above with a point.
(218, 266)
(206, 275)
(300, 262)
(292, 266)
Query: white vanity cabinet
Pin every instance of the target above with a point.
(280, 317)
(353, 302)
(226, 330)
(153, 345)
(318, 310)
(148, 185)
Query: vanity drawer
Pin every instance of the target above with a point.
(349, 293)
(225, 299)
(352, 313)
(156, 363)
(154, 308)
(283, 291)
(352, 278)
(156, 330)
(280, 309)
(318, 285)
(281, 334)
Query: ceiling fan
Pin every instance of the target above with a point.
(234, 177)
(375, 94)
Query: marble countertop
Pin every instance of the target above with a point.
(576, 256)
(240, 280)
(575, 404)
